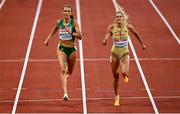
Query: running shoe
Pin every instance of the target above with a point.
(126, 79)
(65, 98)
(116, 101)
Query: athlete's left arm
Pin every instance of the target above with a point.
(131, 29)
(77, 34)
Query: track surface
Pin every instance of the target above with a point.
(41, 90)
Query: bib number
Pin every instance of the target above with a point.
(64, 35)
(120, 44)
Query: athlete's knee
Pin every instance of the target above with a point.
(70, 72)
(125, 73)
(64, 71)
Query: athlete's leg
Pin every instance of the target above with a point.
(62, 58)
(71, 62)
(115, 65)
(124, 67)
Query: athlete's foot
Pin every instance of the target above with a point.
(65, 97)
(116, 101)
(126, 79)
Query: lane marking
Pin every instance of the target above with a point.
(80, 89)
(2, 3)
(27, 56)
(89, 59)
(140, 69)
(90, 98)
(9, 90)
(151, 89)
(21, 88)
(81, 59)
(165, 21)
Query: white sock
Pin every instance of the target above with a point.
(116, 96)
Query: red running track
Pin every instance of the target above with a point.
(41, 90)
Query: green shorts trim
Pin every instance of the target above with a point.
(67, 50)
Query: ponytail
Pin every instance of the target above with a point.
(72, 17)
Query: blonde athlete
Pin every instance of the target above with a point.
(66, 51)
(119, 57)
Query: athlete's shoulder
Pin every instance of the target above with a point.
(75, 22)
(59, 20)
(128, 25)
(110, 27)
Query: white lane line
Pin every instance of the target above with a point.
(89, 59)
(81, 59)
(165, 21)
(27, 56)
(90, 98)
(2, 3)
(21, 88)
(140, 69)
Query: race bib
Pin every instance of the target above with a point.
(64, 35)
(120, 44)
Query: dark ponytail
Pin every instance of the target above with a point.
(72, 17)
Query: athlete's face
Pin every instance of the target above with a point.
(119, 18)
(67, 12)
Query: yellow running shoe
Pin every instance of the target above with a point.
(116, 102)
(126, 79)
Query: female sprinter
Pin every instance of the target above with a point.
(66, 51)
(119, 57)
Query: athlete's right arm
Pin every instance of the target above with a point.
(108, 35)
(53, 31)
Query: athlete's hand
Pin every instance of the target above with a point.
(46, 42)
(104, 42)
(143, 46)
